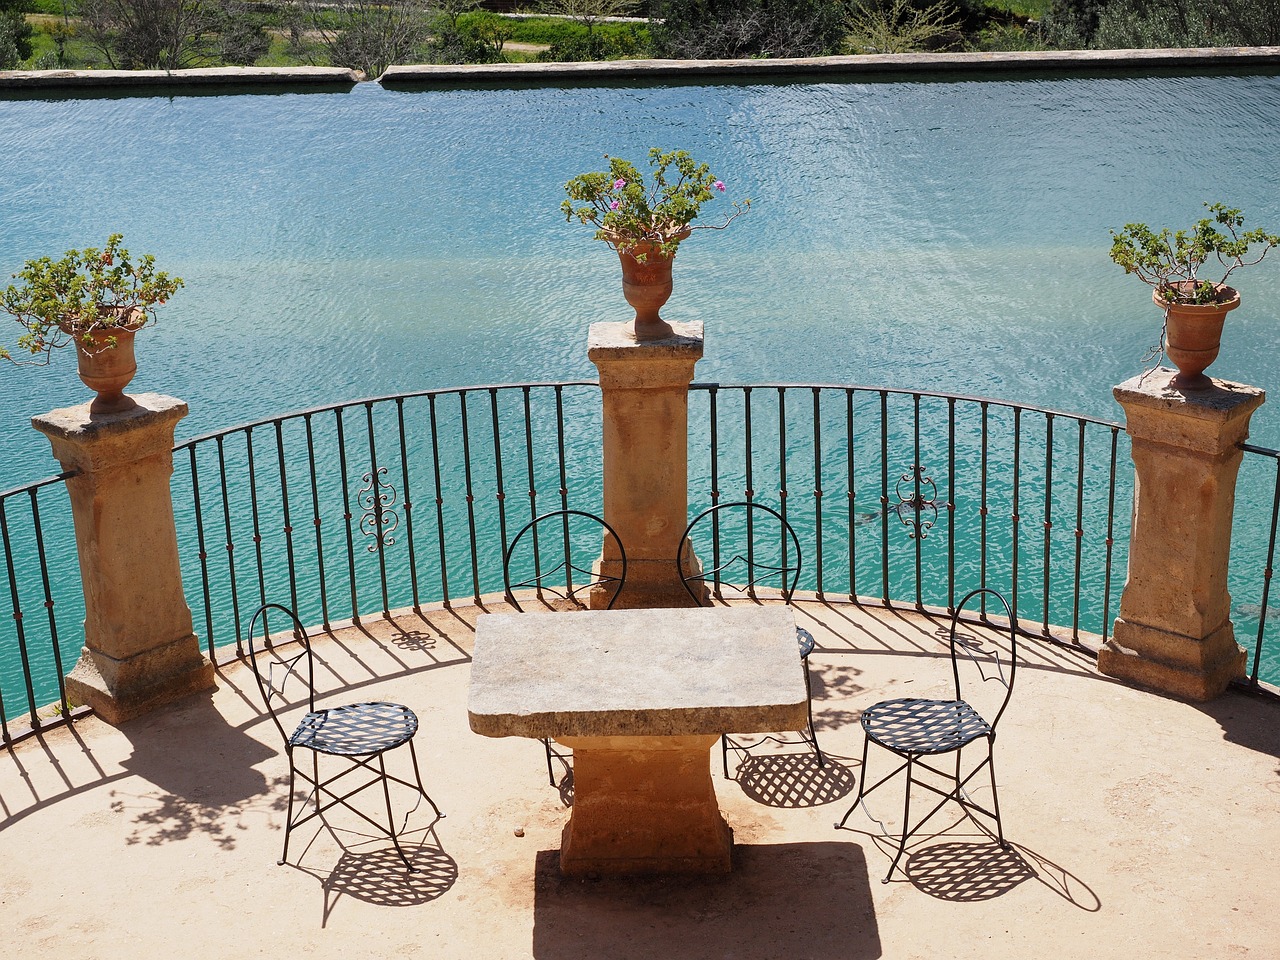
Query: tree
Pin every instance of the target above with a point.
(15, 35)
(731, 29)
(148, 34)
(587, 12)
(370, 35)
(242, 38)
(895, 26)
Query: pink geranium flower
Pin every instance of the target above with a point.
(719, 185)
(619, 184)
(614, 205)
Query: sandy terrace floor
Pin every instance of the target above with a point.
(1142, 827)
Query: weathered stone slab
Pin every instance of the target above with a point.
(637, 673)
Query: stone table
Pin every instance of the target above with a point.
(640, 696)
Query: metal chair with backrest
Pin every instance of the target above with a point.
(360, 733)
(912, 728)
(554, 568)
(772, 555)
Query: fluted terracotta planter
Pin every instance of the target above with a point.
(647, 286)
(106, 368)
(1193, 336)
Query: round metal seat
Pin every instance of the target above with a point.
(805, 641)
(912, 725)
(356, 729)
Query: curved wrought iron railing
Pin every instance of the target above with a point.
(361, 508)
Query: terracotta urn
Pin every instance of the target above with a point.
(1193, 335)
(105, 367)
(646, 283)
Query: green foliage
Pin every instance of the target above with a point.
(588, 12)
(729, 29)
(630, 215)
(1112, 24)
(1006, 38)
(15, 38)
(87, 292)
(1172, 262)
(631, 41)
(896, 26)
(472, 38)
(242, 36)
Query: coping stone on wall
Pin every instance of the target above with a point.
(199, 77)
(869, 65)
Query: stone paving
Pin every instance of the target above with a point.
(1141, 827)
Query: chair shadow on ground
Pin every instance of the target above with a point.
(370, 870)
(967, 865)
(808, 900)
(792, 780)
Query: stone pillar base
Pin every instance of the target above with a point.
(644, 805)
(119, 690)
(1172, 663)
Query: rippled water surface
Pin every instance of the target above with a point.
(934, 235)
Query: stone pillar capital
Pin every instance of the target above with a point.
(627, 363)
(1174, 633)
(91, 443)
(1212, 422)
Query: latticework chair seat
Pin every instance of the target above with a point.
(923, 727)
(356, 729)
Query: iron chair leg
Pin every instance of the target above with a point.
(995, 796)
(288, 820)
(391, 819)
(418, 776)
(724, 754)
(808, 699)
(906, 823)
(862, 782)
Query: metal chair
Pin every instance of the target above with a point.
(360, 733)
(555, 569)
(912, 729)
(772, 554)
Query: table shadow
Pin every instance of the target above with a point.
(810, 900)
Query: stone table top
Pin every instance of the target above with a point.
(654, 672)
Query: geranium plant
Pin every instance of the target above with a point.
(83, 297)
(630, 215)
(1174, 263)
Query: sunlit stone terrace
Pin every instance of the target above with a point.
(1141, 826)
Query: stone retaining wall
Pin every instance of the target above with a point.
(217, 79)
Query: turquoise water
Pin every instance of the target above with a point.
(940, 236)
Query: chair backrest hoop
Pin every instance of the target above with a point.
(789, 572)
(264, 682)
(570, 591)
(1013, 646)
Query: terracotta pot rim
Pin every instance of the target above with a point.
(137, 320)
(1229, 299)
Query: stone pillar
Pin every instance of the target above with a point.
(1174, 632)
(645, 387)
(139, 648)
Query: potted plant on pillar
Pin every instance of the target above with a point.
(96, 299)
(1195, 306)
(647, 223)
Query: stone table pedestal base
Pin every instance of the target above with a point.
(644, 805)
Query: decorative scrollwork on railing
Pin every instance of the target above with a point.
(917, 504)
(378, 498)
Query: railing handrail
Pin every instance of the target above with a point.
(369, 401)
(910, 392)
